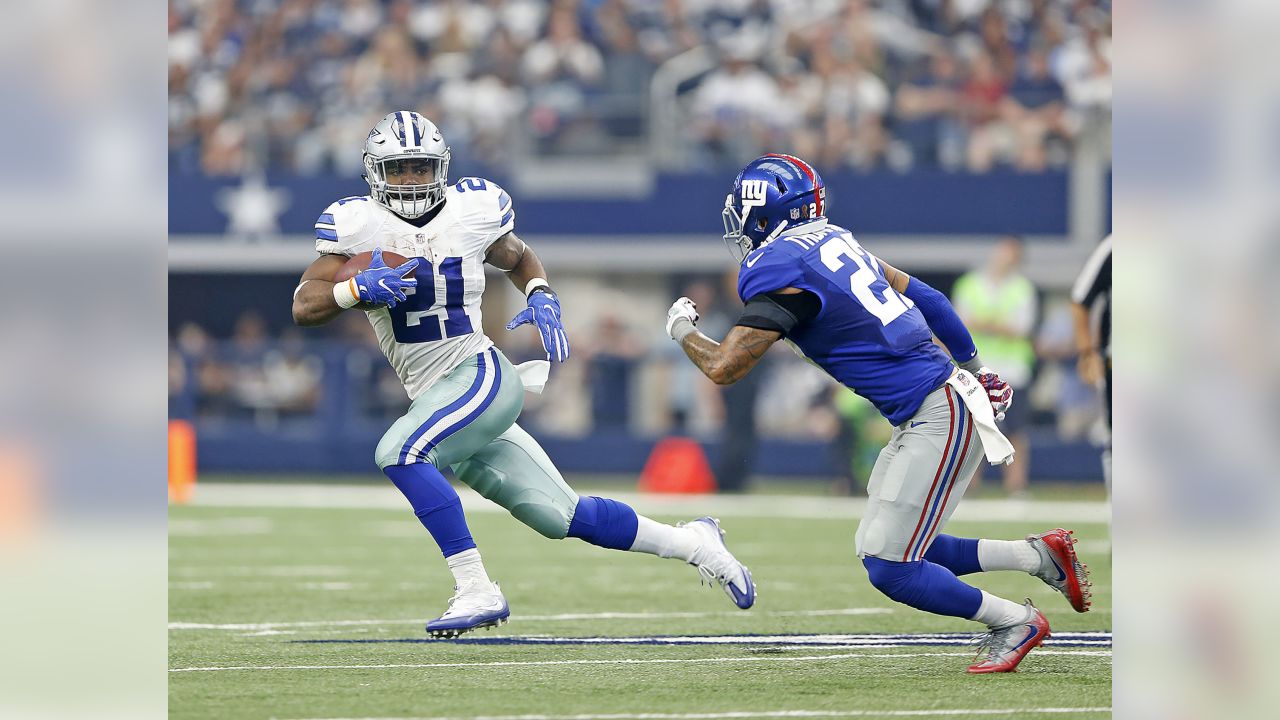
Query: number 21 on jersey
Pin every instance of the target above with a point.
(417, 319)
(888, 305)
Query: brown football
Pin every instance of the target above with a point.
(359, 263)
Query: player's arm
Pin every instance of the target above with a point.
(521, 264)
(950, 329)
(318, 299)
(1088, 286)
(939, 314)
(313, 300)
(727, 362)
(765, 320)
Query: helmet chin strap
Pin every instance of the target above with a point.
(774, 235)
(784, 229)
(810, 226)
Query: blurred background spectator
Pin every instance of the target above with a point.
(295, 84)
(999, 305)
(612, 357)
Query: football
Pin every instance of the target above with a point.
(359, 263)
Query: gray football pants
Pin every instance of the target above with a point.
(919, 478)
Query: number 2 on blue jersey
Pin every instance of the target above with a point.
(889, 305)
(417, 319)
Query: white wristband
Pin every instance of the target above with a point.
(682, 328)
(534, 284)
(345, 294)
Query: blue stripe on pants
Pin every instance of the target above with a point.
(948, 476)
(471, 416)
(451, 407)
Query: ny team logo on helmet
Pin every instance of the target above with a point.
(772, 194)
(401, 139)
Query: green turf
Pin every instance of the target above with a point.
(263, 565)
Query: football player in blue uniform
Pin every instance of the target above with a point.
(871, 327)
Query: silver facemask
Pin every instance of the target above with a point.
(401, 138)
(739, 244)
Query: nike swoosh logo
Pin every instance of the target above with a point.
(750, 263)
(1062, 575)
(922, 422)
(1030, 634)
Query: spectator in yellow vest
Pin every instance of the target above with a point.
(999, 305)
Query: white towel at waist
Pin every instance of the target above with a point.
(533, 375)
(997, 447)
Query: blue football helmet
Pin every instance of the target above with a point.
(771, 195)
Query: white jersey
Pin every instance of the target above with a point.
(438, 326)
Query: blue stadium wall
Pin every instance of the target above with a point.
(917, 203)
(229, 449)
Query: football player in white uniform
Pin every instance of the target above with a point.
(466, 395)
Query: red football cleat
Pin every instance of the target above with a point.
(1060, 569)
(1001, 649)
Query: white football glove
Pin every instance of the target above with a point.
(681, 318)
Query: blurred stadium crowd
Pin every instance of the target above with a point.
(957, 84)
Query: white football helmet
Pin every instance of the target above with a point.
(403, 136)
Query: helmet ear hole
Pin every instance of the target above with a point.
(761, 223)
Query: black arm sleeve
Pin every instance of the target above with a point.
(779, 312)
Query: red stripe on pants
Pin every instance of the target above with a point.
(933, 529)
(924, 512)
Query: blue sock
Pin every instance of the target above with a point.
(604, 522)
(959, 555)
(924, 586)
(436, 504)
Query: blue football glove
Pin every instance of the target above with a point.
(382, 285)
(544, 312)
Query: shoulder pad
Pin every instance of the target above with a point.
(768, 269)
(483, 206)
(341, 227)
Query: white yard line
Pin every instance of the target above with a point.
(221, 526)
(384, 497)
(620, 661)
(746, 715)
(537, 618)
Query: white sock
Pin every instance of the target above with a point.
(998, 612)
(665, 541)
(466, 566)
(1008, 555)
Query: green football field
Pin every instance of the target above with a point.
(308, 602)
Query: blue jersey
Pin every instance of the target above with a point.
(867, 336)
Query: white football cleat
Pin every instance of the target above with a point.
(475, 604)
(716, 564)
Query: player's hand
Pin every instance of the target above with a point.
(998, 391)
(1090, 368)
(682, 311)
(382, 285)
(544, 312)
